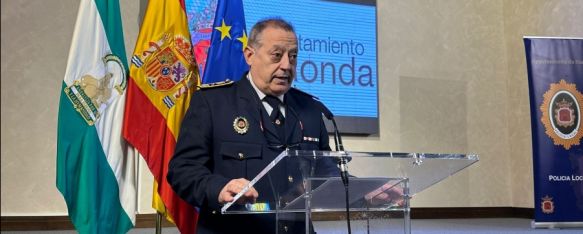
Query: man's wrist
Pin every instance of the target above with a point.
(216, 184)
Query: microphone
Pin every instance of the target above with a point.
(343, 159)
(328, 114)
(337, 140)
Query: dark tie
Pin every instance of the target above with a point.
(276, 116)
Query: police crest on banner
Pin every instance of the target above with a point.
(561, 114)
(547, 205)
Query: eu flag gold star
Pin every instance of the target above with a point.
(225, 30)
(243, 40)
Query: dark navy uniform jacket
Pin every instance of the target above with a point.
(209, 152)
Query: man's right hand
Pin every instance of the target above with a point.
(235, 186)
(389, 193)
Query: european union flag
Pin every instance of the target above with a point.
(229, 38)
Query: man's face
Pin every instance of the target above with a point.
(273, 63)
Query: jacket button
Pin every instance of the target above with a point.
(214, 212)
(285, 228)
(241, 156)
(290, 179)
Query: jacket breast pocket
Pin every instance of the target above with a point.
(236, 157)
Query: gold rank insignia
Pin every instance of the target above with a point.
(226, 82)
(241, 125)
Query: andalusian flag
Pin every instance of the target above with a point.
(95, 167)
(163, 75)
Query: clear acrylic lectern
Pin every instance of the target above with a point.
(298, 184)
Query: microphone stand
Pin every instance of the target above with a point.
(343, 171)
(342, 161)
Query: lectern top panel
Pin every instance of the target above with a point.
(287, 176)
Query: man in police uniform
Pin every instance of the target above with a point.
(232, 131)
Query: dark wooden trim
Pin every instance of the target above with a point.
(472, 212)
(149, 221)
(32, 223)
(439, 213)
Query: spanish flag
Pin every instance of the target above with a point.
(163, 75)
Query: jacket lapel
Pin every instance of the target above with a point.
(292, 128)
(249, 102)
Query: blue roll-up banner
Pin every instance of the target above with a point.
(555, 79)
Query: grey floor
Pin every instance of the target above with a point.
(432, 226)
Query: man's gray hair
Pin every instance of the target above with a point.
(279, 23)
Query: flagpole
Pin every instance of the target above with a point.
(158, 223)
(137, 176)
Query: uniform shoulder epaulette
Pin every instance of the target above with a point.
(304, 93)
(224, 83)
